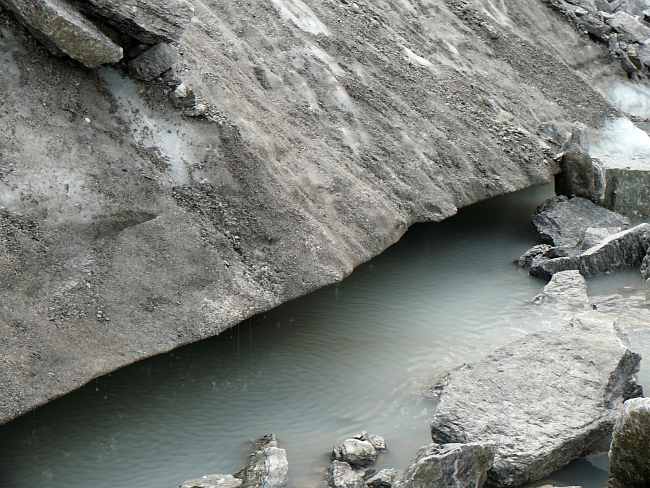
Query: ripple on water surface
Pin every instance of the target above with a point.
(354, 356)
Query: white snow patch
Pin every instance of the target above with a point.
(301, 15)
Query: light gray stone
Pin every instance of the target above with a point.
(628, 28)
(542, 399)
(629, 455)
(595, 235)
(627, 182)
(150, 21)
(552, 133)
(612, 303)
(183, 97)
(448, 466)
(377, 441)
(63, 30)
(355, 452)
(153, 62)
(526, 259)
(382, 479)
(565, 287)
(268, 467)
(563, 222)
(596, 27)
(213, 481)
(341, 475)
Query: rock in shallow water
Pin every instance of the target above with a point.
(355, 452)
(448, 466)
(268, 467)
(629, 455)
(341, 475)
(542, 399)
(567, 287)
(213, 481)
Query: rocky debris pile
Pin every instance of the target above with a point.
(583, 236)
(448, 466)
(541, 399)
(268, 468)
(629, 454)
(96, 32)
(622, 25)
(351, 461)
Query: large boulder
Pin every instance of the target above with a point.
(627, 179)
(625, 249)
(268, 467)
(563, 221)
(628, 28)
(384, 478)
(63, 30)
(448, 466)
(576, 178)
(629, 455)
(149, 21)
(541, 399)
(356, 452)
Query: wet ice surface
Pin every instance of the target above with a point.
(354, 356)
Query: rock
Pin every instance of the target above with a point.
(632, 388)
(596, 27)
(268, 467)
(609, 304)
(183, 97)
(550, 132)
(448, 466)
(578, 141)
(577, 175)
(149, 21)
(341, 475)
(595, 235)
(628, 28)
(625, 249)
(63, 30)
(627, 185)
(563, 222)
(542, 399)
(213, 481)
(382, 479)
(629, 455)
(355, 452)
(565, 287)
(644, 54)
(153, 62)
(645, 266)
(377, 441)
(603, 6)
(599, 180)
(526, 259)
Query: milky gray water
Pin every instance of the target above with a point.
(354, 356)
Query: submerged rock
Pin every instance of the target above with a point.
(213, 481)
(448, 466)
(609, 304)
(563, 221)
(341, 475)
(629, 455)
(542, 399)
(268, 467)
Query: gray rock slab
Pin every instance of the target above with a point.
(541, 399)
(341, 475)
(526, 259)
(629, 455)
(628, 28)
(595, 235)
(627, 180)
(448, 466)
(268, 466)
(625, 249)
(384, 478)
(63, 30)
(153, 62)
(150, 21)
(612, 303)
(213, 481)
(563, 221)
(568, 287)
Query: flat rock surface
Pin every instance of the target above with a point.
(542, 399)
(329, 128)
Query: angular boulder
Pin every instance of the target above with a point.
(448, 466)
(63, 30)
(568, 287)
(563, 221)
(268, 466)
(629, 455)
(628, 28)
(382, 479)
(153, 62)
(213, 481)
(541, 399)
(526, 259)
(627, 179)
(149, 21)
(341, 475)
(576, 178)
(625, 249)
(355, 452)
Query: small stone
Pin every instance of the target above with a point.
(355, 452)
(341, 475)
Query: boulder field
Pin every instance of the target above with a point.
(277, 145)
